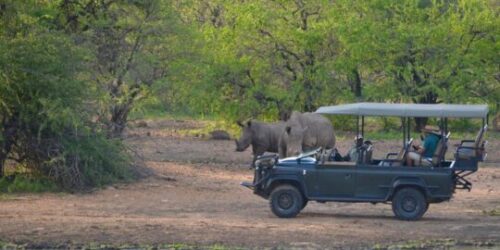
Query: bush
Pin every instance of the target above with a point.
(89, 161)
(26, 183)
(49, 120)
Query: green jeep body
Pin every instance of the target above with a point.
(291, 182)
(347, 181)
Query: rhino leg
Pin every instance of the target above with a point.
(282, 149)
(253, 161)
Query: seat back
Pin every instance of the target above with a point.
(404, 151)
(441, 149)
(367, 156)
(469, 149)
(479, 137)
(324, 155)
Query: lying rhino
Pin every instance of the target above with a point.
(264, 137)
(306, 131)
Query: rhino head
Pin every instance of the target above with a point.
(246, 136)
(293, 138)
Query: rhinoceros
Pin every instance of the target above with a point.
(306, 131)
(264, 137)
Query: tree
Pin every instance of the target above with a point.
(268, 57)
(434, 51)
(130, 44)
(47, 104)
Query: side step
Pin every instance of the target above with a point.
(249, 185)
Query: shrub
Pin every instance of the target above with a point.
(49, 120)
(26, 183)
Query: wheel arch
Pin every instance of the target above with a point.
(273, 183)
(416, 183)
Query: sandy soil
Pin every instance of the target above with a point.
(195, 198)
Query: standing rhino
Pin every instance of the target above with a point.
(264, 137)
(306, 131)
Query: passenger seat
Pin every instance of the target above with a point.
(367, 155)
(472, 148)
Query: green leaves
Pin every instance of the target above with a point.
(258, 58)
(49, 105)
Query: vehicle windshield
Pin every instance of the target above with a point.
(308, 154)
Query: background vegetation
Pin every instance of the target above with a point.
(73, 71)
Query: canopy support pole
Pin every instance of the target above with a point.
(403, 123)
(408, 127)
(357, 125)
(446, 125)
(363, 126)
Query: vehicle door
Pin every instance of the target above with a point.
(374, 182)
(336, 179)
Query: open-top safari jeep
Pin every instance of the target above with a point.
(290, 183)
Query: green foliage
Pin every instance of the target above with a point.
(261, 58)
(48, 106)
(493, 212)
(439, 244)
(89, 161)
(22, 183)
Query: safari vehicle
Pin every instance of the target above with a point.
(290, 183)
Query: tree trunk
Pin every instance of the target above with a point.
(309, 88)
(284, 112)
(429, 98)
(354, 80)
(9, 133)
(496, 123)
(308, 103)
(118, 122)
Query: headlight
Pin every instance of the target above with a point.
(265, 162)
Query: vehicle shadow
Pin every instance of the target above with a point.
(367, 216)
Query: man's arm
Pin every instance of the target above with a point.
(421, 150)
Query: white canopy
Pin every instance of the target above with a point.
(407, 110)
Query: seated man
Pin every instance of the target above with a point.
(423, 154)
(358, 149)
(335, 155)
(353, 153)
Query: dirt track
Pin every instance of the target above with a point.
(202, 204)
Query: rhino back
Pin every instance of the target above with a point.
(319, 131)
(266, 136)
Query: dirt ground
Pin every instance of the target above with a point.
(194, 198)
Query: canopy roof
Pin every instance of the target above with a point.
(407, 110)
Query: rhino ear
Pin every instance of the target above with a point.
(288, 129)
(249, 123)
(240, 124)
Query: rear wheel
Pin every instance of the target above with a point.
(286, 201)
(409, 204)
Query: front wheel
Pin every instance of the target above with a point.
(409, 204)
(286, 201)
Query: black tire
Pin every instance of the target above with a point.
(409, 204)
(286, 201)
